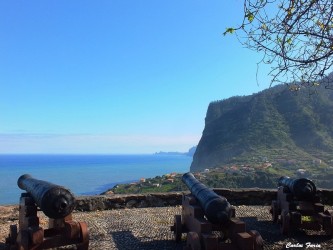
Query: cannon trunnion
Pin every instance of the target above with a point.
(210, 223)
(57, 203)
(298, 207)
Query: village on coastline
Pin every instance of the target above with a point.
(263, 175)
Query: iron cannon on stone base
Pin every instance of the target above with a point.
(298, 206)
(57, 203)
(209, 221)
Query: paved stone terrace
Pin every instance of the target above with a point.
(149, 228)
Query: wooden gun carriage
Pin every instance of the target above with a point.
(298, 207)
(57, 203)
(210, 223)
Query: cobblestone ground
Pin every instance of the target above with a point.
(149, 228)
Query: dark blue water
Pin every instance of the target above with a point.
(84, 174)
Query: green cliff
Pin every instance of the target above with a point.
(274, 125)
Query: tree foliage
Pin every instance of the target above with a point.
(295, 37)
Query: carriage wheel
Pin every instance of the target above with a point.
(274, 211)
(178, 228)
(258, 241)
(84, 236)
(193, 241)
(285, 222)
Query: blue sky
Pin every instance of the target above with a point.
(125, 76)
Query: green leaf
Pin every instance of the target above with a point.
(250, 16)
(264, 26)
(229, 30)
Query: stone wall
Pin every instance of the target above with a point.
(234, 196)
(104, 202)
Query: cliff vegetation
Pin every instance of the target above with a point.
(278, 126)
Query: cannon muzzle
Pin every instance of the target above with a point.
(216, 208)
(55, 201)
(302, 188)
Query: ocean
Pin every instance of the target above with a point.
(84, 174)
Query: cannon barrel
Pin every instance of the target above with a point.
(55, 201)
(216, 208)
(302, 188)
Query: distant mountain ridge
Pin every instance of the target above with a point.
(276, 123)
(190, 152)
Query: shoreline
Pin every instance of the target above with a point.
(84, 174)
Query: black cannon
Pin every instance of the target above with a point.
(209, 221)
(55, 201)
(217, 209)
(302, 188)
(298, 206)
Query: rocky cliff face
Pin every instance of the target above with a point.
(275, 123)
